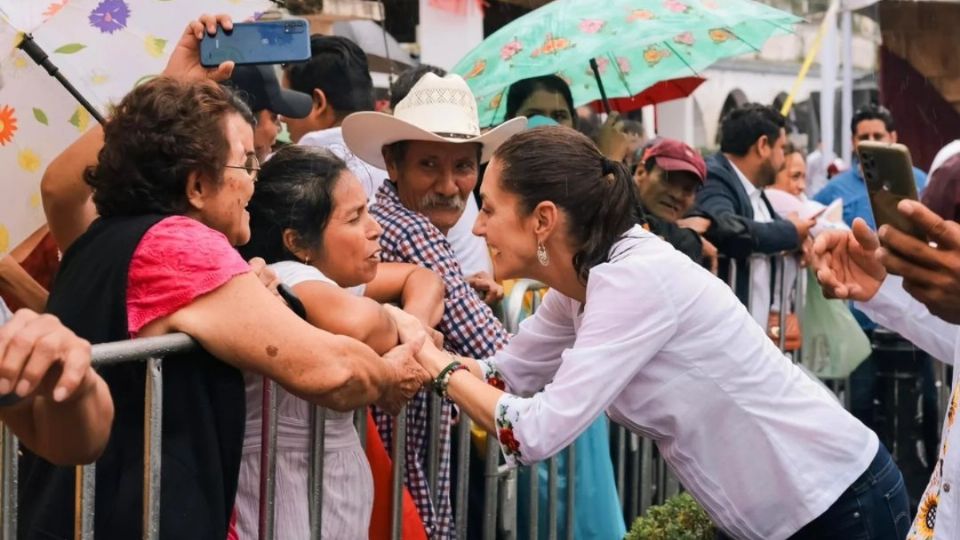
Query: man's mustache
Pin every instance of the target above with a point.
(443, 202)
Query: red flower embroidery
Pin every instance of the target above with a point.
(496, 382)
(508, 441)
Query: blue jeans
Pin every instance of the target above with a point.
(874, 507)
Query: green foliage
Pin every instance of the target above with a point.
(679, 518)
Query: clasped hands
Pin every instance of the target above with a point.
(414, 370)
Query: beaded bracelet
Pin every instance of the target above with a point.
(443, 379)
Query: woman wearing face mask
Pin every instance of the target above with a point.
(634, 329)
(309, 220)
(550, 96)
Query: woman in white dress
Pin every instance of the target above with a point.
(633, 328)
(309, 220)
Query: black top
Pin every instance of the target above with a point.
(203, 414)
(686, 241)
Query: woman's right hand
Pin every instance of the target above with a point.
(184, 62)
(846, 263)
(410, 377)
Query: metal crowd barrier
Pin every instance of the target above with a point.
(642, 477)
(152, 351)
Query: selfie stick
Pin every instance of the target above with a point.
(37, 54)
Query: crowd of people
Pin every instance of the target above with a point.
(399, 232)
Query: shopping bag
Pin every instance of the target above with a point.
(833, 343)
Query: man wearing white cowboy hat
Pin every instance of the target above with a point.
(432, 149)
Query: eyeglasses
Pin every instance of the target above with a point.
(251, 165)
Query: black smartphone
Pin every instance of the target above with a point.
(293, 301)
(266, 42)
(888, 174)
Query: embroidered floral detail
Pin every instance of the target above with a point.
(491, 375)
(494, 380)
(506, 439)
(509, 443)
(952, 411)
(927, 516)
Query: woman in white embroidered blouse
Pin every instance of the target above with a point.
(633, 328)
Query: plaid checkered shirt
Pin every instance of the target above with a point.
(470, 329)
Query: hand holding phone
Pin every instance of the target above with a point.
(265, 42)
(888, 174)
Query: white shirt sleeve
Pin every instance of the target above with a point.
(293, 273)
(894, 308)
(612, 345)
(531, 358)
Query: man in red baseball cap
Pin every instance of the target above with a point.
(668, 177)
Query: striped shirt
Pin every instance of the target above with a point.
(470, 329)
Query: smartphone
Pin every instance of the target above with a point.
(292, 300)
(888, 174)
(266, 42)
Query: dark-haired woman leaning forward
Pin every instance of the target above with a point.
(635, 329)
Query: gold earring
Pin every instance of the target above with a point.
(542, 255)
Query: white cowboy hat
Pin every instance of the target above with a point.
(436, 109)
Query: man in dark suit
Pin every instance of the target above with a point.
(742, 224)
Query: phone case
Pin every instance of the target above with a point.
(266, 42)
(888, 174)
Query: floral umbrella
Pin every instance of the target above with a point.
(635, 43)
(104, 48)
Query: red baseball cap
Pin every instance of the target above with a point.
(674, 155)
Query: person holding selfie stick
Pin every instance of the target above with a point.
(912, 286)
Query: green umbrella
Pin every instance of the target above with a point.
(635, 44)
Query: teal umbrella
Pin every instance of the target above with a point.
(634, 44)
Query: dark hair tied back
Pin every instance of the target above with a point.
(609, 167)
(563, 166)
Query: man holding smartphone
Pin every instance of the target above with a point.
(872, 123)
(913, 288)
